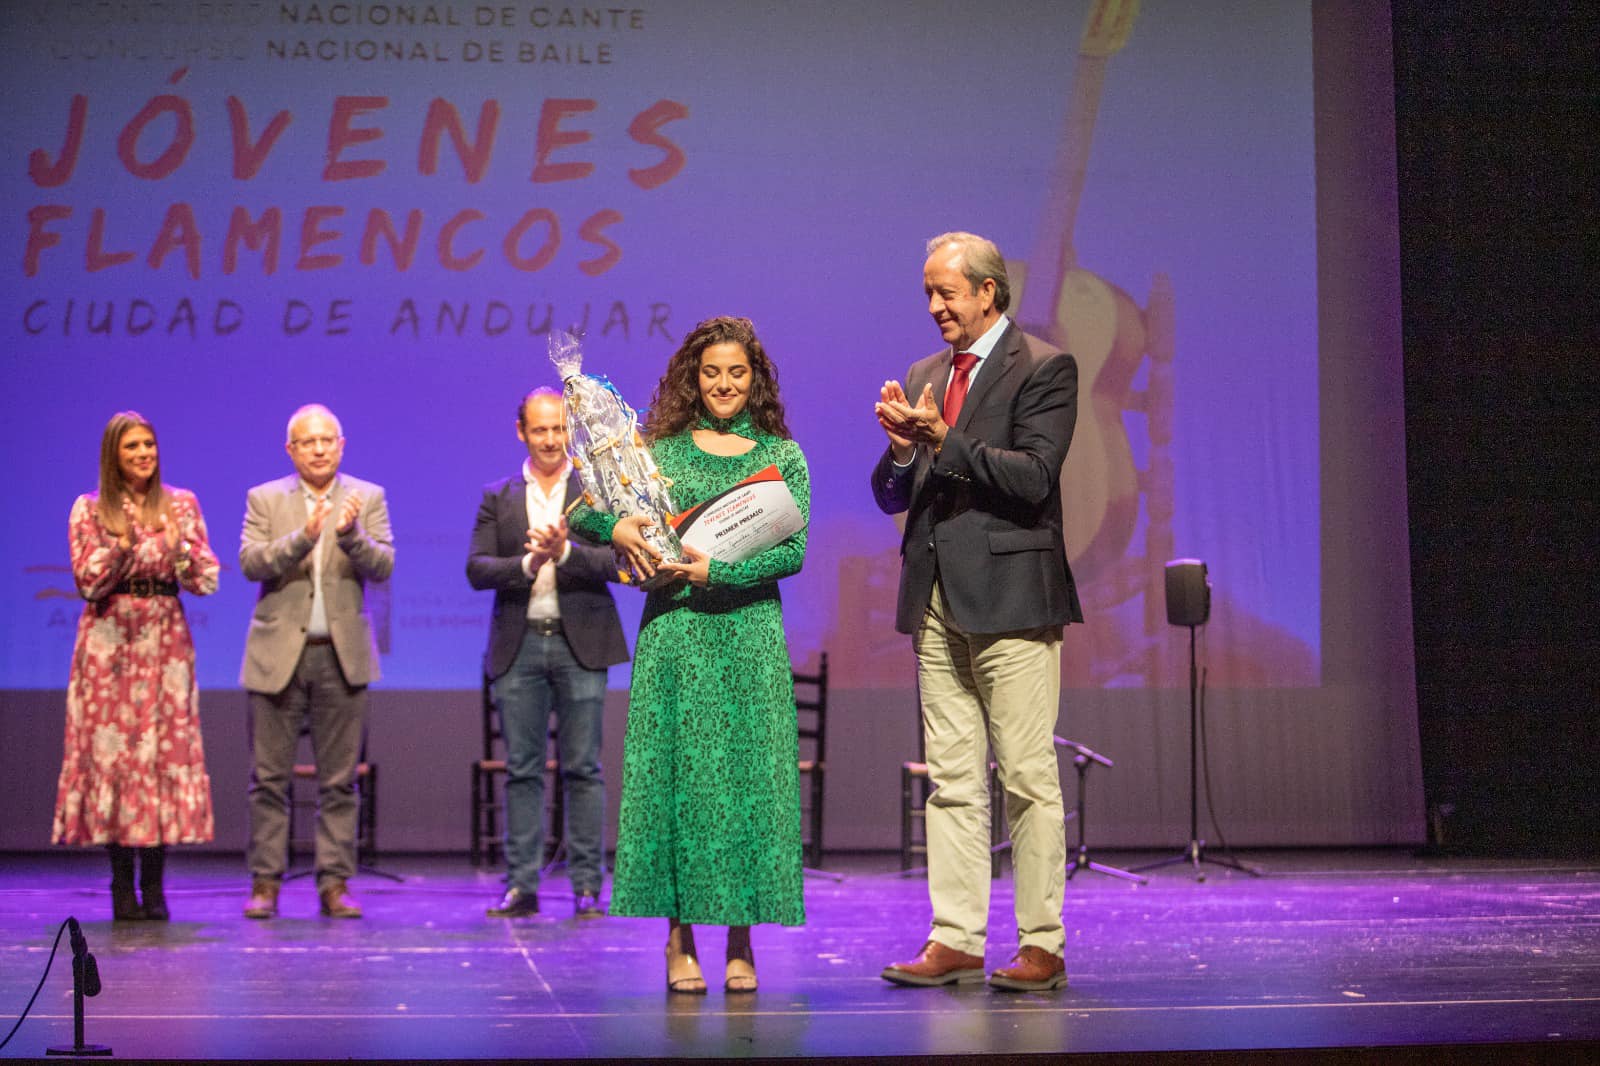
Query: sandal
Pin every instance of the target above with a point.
(740, 976)
(683, 969)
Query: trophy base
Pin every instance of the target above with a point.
(657, 580)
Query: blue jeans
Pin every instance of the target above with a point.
(545, 678)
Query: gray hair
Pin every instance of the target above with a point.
(311, 409)
(980, 259)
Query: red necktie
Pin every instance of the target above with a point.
(956, 393)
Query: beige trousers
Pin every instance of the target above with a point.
(1002, 690)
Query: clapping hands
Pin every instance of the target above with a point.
(907, 425)
(546, 544)
(131, 524)
(176, 529)
(317, 518)
(348, 511)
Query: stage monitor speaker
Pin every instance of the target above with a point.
(1188, 593)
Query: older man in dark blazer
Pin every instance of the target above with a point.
(975, 463)
(553, 634)
(314, 540)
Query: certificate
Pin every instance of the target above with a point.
(743, 521)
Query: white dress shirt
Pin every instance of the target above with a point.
(318, 626)
(544, 509)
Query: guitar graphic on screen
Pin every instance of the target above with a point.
(1093, 319)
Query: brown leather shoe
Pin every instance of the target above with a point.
(263, 898)
(1031, 970)
(934, 965)
(337, 902)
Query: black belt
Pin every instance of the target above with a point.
(318, 640)
(545, 627)
(144, 587)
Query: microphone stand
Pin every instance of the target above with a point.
(85, 982)
(1083, 758)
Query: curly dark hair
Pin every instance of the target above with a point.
(676, 405)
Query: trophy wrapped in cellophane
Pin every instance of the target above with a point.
(619, 476)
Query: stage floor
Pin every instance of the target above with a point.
(1332, 950)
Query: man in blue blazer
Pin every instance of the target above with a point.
(975, 464)
(553, 633)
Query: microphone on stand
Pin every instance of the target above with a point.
(85, 982)
(85, 970)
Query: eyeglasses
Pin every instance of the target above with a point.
(307, 444)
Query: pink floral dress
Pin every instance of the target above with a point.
(134, 770)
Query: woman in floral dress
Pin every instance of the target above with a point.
(133, 776)
(709, 830)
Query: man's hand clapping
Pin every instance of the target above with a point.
(546, 544)
(318, 518)
(348, 511)
(908, 425)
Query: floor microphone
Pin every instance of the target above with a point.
(84, 969)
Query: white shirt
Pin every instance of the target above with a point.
(544, 509)
(318, 626)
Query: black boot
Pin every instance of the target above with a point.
(152, 863)
(124, 903)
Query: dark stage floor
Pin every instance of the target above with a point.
(1333, 950)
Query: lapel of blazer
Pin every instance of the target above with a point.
(938, 376)
(995, 367)
(292, 502)
(513, 530)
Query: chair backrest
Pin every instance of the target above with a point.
(811, 706)
(493, 741)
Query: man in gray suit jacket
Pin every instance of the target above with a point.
(553, 633)
(314, 541)
(975, 463)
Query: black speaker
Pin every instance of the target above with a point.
(1188, 593)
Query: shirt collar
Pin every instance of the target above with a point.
(991, 337)
(312, 494)
(530, 478)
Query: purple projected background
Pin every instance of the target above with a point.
(820, 144)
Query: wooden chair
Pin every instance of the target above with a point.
(915, 787)
(486, 843)
(811, 712)
(366, 819)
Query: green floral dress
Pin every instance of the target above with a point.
(709, 830)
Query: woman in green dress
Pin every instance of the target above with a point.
(709, 831)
